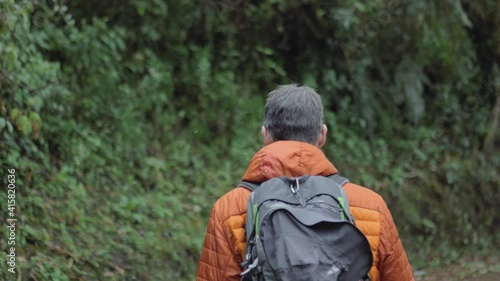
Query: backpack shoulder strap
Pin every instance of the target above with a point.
(338, 179)
(249, 185)
(341, 181)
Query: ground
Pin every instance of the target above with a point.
(470, 269)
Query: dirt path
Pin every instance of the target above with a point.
(485, 269)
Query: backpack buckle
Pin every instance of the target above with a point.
(251, 267)
(295, 192)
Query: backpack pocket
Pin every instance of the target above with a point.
(311, 243)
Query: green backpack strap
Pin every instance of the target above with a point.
(341, 181)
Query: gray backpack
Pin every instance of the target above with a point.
(301, 229)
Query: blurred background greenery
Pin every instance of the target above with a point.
(126, 120)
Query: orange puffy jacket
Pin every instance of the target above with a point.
(224, 246)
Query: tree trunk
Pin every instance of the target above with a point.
(491, 135)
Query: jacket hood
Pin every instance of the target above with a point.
(287, 158)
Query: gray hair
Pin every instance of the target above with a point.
(294, 113)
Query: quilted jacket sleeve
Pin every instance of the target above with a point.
(217, 262)
(394, 264)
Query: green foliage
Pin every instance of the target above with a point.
(126, 122)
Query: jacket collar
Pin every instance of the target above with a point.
(287, 158)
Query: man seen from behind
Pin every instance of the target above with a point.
(293, 134)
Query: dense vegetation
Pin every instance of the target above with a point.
(126, 120)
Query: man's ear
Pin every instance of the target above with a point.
(266, 136)
(322, 136)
